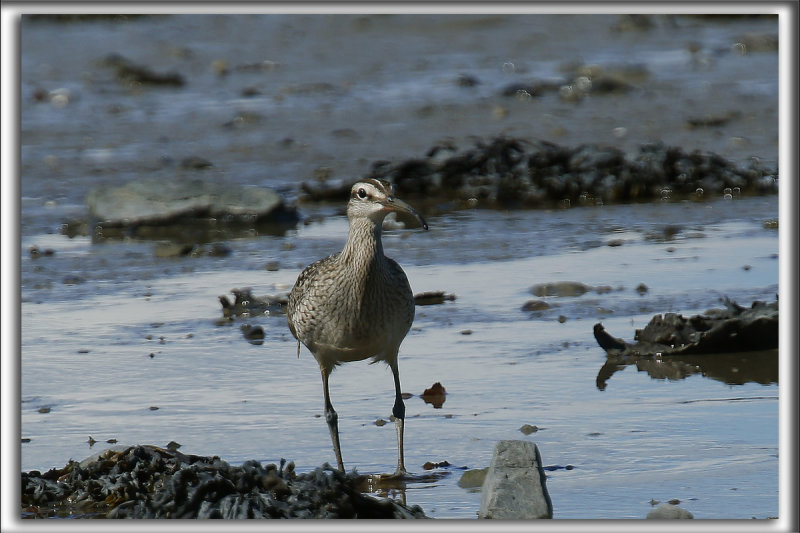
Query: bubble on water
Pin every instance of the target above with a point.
(666, 194)
(727, 191)
(565, 203)
(737, 192)
(699, 192)
(619, 132)
(509, 67)
(739, 49)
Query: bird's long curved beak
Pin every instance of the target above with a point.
(400, 207)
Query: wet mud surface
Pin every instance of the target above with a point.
(158, 333)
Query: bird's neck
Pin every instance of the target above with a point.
(363, 247)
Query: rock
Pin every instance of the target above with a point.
(712, 121)
(158, 202)
(131, 74)
(136, 208)
(435, 395)
(472, 479)
(535, 305)
(254, 334)
(430, 465)
(195, 162)
(245, 304)
(669, 512)
(36, 253)
(515, 483)
(735, 345)
(219, 249)
(757, 42)
(732, 329)
(561, 288)
(433, 298)
(505, 172)
(606, 341)
(152, 482)
(170, 249)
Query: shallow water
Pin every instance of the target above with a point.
(133, 331)
(711, 444)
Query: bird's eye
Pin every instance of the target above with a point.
(362, 193)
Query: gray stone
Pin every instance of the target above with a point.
(150, 201)
(668, 511)
(515, 484)
(473, 479)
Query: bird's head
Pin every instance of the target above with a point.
(374, 199)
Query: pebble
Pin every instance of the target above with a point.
(252, 333)
(434, 395)
(535, 305)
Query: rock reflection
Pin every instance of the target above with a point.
(394, 486)
(730, 368)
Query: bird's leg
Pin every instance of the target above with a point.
(332, 419)
(399, 412)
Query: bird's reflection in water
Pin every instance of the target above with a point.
(730, 368)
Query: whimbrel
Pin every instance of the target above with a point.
(357, 303)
